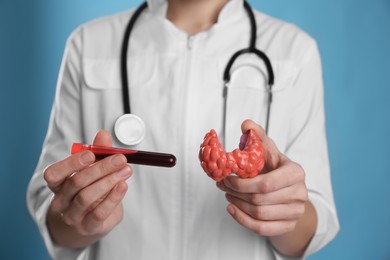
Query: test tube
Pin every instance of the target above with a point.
(133, 156)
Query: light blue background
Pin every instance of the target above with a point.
(354, 40)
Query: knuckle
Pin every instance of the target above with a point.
(107, 184)
(82, 231)
(49, 174)
(261, 213)
(114, 198)
(99, 215)
(104, 167)
(240, 219)
(265, 186)
(290, 226)
(296, 211)
(76, 181)
(300, 172)
(304, 196)
(56, 204)
(256, 199)
(93, 205)
(301, 194)
(261, 228)
(301, 211)
(82, 200)
(67, 220)
(111, 182)
(120, 217)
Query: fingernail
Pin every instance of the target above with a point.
(243, 141)
(124, 172)
(231, 210)
(118, 160)
(86, 158)
(227, 182)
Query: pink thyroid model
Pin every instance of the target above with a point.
(246, 162)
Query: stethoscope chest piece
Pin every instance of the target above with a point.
(129, 129)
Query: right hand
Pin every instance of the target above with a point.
(87, 201)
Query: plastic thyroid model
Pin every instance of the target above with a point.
(246, 162)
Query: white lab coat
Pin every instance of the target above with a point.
(176, 87)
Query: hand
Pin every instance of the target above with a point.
(87, 195)
(272, 203)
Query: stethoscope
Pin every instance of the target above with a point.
(130, 129)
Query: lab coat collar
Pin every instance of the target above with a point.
(232, 10)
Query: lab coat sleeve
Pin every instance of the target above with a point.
(308, 145)
(64, 129)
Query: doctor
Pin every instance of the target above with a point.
(178, 50)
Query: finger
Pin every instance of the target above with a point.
(249, 124)
(291, 211)
(290, 194)
(58, 172)
(102, 138)
(271, 153)
(86, 199)
(106, 208)
(86, 177)
(286, 175)
(263, 228)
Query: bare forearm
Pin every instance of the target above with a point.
(66, 236)
(295, 242)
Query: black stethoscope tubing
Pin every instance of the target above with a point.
(226, 75)
(125, 48)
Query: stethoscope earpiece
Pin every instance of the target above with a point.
(129, 129)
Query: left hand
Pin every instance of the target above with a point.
(271, 203)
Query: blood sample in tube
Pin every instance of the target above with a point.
(133, 156)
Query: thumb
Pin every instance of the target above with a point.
(272, 155)
(249, 124)
(102, 138)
